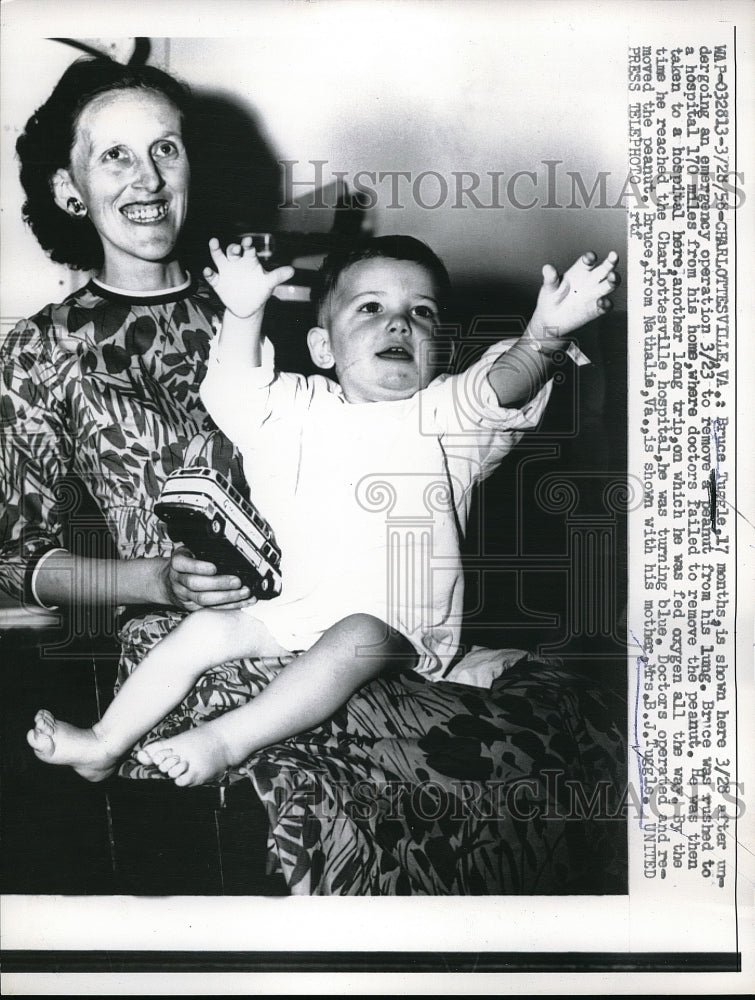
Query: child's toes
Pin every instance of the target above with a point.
(156, 755)
(178, 768)
(166, 761)
(41, 743)
(44, 722)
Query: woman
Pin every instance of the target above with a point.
(104, 385)
(411, 787)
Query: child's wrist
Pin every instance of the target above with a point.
(245, 317)
(544, 342)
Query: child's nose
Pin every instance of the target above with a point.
(400, 323)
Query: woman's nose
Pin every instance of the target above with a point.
(148, 176)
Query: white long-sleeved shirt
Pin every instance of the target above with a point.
(368, 501)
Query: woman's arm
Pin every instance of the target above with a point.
(180, 581)
(36, 455)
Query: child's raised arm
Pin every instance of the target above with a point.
(563, 305)
(243, 287)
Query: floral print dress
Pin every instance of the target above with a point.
(413, 787)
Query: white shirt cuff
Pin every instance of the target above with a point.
(33, 585)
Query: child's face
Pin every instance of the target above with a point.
(381, 318)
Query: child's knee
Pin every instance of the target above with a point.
(370, 634)
(213, 624)
(364, 626)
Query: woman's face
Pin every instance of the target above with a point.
(129, 167)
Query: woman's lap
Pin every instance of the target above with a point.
(417, 787)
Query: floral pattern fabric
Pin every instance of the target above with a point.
(418, 787)
(107, 389)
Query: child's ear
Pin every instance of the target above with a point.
(63, 189)
(318, 341)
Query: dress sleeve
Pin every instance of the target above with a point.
(35, 454)
(237, 396)
(465, 411)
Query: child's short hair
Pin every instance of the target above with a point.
(389, 247)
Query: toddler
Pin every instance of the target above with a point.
(366, 481)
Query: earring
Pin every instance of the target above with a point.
(76, 207)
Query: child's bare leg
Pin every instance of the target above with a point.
(305, 693)
(164, 677)
(582, 294)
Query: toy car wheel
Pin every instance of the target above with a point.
(216, 526)
(266, 584)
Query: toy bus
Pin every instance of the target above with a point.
(201, 509)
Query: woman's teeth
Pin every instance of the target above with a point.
(145, 213)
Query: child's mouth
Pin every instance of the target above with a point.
(146, 214)
(395, 354)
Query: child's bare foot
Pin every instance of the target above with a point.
(582, 294)
(191, 758)
(58, 742)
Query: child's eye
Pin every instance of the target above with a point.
(166, 148)
(370, 307)
(425, 312)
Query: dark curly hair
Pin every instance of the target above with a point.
(391, 247)
(45, 147)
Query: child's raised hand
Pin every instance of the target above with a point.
(243, 285)
(582, 294)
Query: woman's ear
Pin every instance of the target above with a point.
(63, 189)
(318, 341)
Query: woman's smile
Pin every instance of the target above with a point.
(146, 214)
(130, 169)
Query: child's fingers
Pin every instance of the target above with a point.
(210, 276)
(216, 253)
(605, 304)
(550, 275)
(612, 259)
(607, 266)
(589, 258)
(280, 274)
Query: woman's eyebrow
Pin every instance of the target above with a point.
(115, 141)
